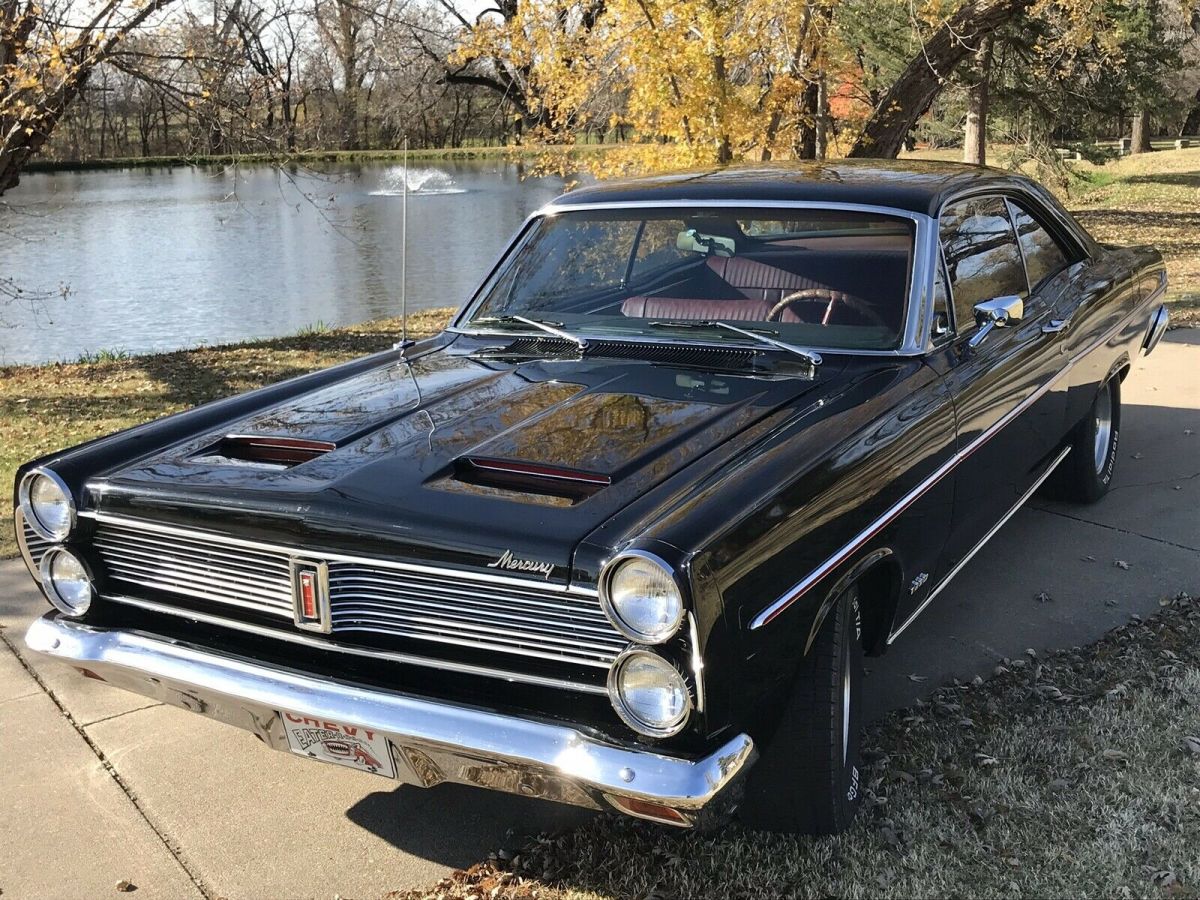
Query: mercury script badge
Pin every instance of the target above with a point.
(516, 564)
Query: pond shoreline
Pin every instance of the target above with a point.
(306, 157)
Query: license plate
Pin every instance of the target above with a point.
(338, 742)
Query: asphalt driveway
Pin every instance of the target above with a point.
(103, 787)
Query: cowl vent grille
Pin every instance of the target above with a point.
(674, 354)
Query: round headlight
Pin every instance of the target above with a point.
(642, 599)
(47, 505)
(648, 693)
(67, 582)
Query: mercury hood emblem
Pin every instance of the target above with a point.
(516, 564)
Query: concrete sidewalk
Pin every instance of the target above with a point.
(102, 786)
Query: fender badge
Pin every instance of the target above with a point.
(516, 564)
(918, 582)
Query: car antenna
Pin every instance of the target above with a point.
(404, 343)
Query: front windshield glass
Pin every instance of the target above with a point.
(812, 277)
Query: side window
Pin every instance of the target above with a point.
(982, 258)
(1043, 255)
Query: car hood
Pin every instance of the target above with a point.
(452, 458)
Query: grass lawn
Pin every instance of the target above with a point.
(1074, 775)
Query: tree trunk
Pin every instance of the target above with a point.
(1141, 132)
(806, 130)
(821, 135)
(975, 130)
(911, 95)
(1191, 124)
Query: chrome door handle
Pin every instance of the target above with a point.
(1056, 325)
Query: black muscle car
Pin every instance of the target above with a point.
(622, 534)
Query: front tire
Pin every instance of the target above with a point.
(1086, 474)
(808, 779)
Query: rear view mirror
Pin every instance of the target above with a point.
(708, 244)
(999, 312)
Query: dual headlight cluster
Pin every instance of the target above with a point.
(644, 602)
(47, 506)
(638, 591)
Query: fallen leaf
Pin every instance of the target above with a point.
(1137, 456)
(918, 678)
(1088, 558)
(1042, 597)
(1191, 744)
(1121, 564)
(126, 887)
(1115, 755)
(1059, 784)
(984, 759)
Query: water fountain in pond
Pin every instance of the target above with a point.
(420, 181)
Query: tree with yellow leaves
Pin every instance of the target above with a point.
(47, 53)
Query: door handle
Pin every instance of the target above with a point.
(1056, 325)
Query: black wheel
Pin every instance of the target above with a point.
(808, 778)
(1086, 474)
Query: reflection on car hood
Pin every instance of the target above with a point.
(394, 474)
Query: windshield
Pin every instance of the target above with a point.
(825, 278)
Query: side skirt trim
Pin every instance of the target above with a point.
(987, 537)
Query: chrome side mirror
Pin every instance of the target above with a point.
(999, 312)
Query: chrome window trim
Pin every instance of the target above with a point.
(914, 338)
(227, 540)
(794, 593)
(387, 655)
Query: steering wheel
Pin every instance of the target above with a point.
(829, 297)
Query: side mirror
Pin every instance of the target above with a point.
(999, 312)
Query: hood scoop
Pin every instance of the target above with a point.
(529, 478)
(264, 450)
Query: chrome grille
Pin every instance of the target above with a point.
(518, 620)
(196, 566)
(34, 544)
(412, 603)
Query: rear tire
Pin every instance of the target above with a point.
(1086, 474)
(808, 779)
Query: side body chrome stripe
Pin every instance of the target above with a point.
(987, 537)
(859, 541)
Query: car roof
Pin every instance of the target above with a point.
(918, 186)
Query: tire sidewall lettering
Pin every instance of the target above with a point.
(1111, 462)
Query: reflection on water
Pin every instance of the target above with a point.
(157, 259)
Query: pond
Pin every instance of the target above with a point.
(158, 259)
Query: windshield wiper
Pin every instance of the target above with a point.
(553, 328)
(811, 356)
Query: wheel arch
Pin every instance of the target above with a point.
(880, 575)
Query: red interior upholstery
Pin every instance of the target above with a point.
(733, 310)
(761, 285)
(756, 280)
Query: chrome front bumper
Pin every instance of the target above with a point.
(430, 742)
